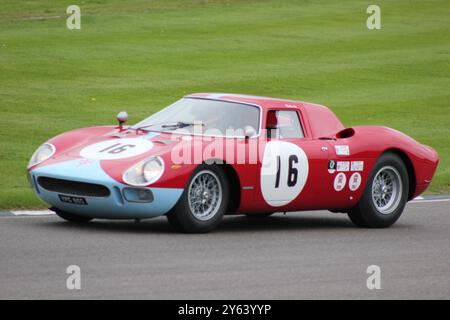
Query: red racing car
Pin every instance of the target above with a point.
(208, 155)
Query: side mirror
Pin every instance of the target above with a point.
(122, 117)
(249, 132)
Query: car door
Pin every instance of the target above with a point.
(294, 168)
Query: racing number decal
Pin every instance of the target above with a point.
(116, 149)
(292, 172)
(277, 179)
(284, 172)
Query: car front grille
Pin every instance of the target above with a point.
(73, 187)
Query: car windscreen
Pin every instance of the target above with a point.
(205, 116)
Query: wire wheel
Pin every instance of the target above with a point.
(387, 190)
(205, 195)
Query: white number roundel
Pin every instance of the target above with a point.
(284, 172)
(116, 149)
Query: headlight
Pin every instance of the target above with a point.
(145, 172)
(43, 153)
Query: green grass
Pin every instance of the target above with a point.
(143, 55)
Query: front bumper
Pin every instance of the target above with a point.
(117, 205)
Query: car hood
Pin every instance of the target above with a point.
(82, 152)
(126, 146)
(97, 153)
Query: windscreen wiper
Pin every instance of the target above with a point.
(181, 124)
(175, 125)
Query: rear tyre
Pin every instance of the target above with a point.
(203, 203)
(71, 217)
(385, 195)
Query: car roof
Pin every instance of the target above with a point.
(264, 102)
(321, 120)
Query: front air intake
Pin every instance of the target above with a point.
(73, 187)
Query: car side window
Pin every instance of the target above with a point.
(283, 124)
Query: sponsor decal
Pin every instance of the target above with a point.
(355, 181)
(339, 181)
(116, 149)
(284, 172)
(343, 166)
(357, 166)
(342, 150)
(331, 166)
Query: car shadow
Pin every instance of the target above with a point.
(230, 224)
(284, 222)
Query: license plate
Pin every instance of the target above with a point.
(72, 200)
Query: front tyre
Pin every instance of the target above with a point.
(70, 216)
(203, 203)
(385, 195)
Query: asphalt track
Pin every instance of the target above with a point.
(309, 255)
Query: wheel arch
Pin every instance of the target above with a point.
(233, 179)
(409, 168)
